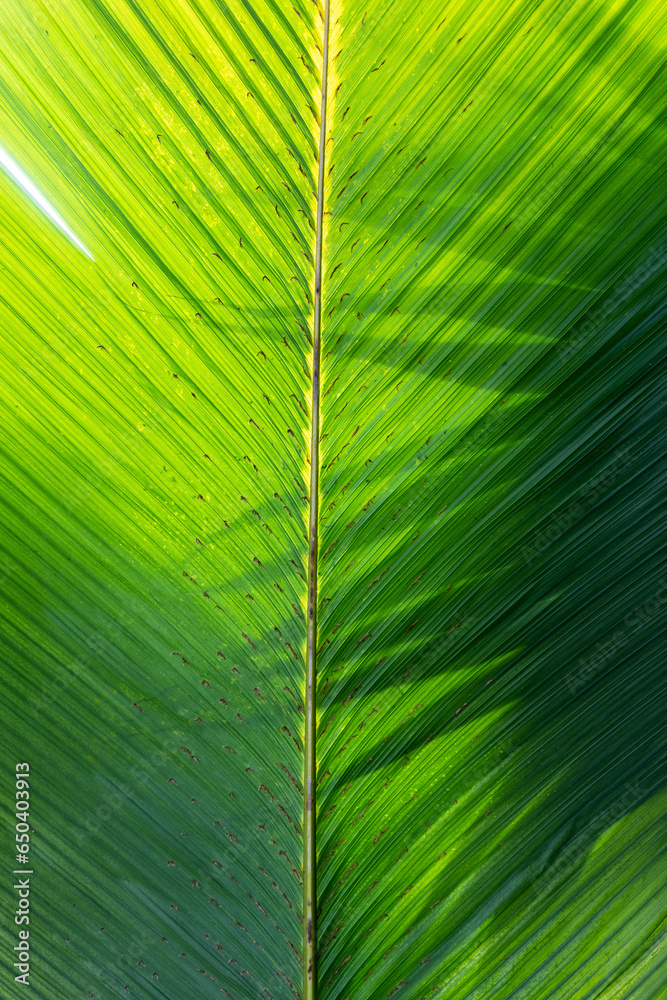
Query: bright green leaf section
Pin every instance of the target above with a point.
(154, 420)
(491, 750)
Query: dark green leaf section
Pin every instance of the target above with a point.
(491, 753)
(153, 477)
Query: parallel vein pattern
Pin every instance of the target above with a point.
(310, 940)
(490, 765)
(155, 493)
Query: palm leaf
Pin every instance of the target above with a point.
(489, 309)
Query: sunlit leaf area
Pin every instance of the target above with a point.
(343, 318)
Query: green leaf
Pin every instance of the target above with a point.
(487, 182)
